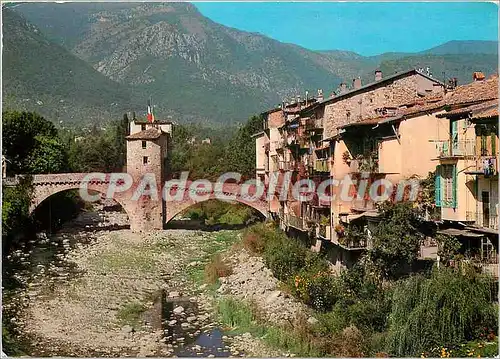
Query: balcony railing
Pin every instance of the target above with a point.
(353, 243)
(322, 165)
(364, 165)
(294, 221)
(363, 204)
(482, 220)
(314, 124)
(286, 165)
(463, 148)
(279, 144)
(324, 231)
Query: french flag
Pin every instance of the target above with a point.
(151, 116)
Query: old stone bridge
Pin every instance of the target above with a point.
(145, 212)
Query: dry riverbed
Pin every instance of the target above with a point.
(101, 296)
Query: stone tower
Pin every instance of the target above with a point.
(147, 153)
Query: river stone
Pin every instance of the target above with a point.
(178, 310)
(185, 325)
(127, 329)
(172, 322)
(174, 294)
(191, 319)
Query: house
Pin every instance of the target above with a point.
(467, 170)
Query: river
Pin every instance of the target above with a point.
(96, 289)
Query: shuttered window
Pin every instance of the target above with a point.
(448, 186)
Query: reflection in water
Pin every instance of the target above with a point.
(210, 342)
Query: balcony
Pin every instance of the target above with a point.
(362, 204)
(449, 149)
(287, 165)
(322, 165)
(485, 165)
(484, 220)
(324, 231)
(314, 124)
(364, 164)
(296, 222)
(279, 144)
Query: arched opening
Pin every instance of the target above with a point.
(214, 214)
(65, 205)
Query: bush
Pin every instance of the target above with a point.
(350, 343)
(285, 258)
(216, 269)
(319, 290)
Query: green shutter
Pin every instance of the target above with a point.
(454, 181)
(437, 186)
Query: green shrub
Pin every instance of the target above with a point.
(285, 258)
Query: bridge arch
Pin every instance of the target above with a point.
(43, 192)
(173, 208)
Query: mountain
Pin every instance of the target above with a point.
(197, 70)
(42, 76)
(464, 47)
(193, 68)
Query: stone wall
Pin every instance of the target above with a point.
(364, 103)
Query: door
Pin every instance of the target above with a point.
(485, 198)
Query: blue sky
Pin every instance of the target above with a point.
(366, 28)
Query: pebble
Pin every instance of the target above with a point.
(178, 310)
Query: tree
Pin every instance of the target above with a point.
(20, 131)
(48, 156)
(447, 309)
(240, 153)
(396, 240)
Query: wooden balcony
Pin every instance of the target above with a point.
(452, 149)
(322, 165)
(296, 222)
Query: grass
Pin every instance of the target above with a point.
(209, 253)
(131, 313)
(216, 269)
(240, 317)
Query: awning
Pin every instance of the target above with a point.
(353, 217)
(482, 230)
(459, 232)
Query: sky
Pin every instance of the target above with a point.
(366, 28)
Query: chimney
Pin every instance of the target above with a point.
(478, 76)
(378, 75)
(343, 87)
(356, 83)
(320, 95)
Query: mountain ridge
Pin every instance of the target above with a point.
(199, 70)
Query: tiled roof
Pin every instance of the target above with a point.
(366, 121)
(149, 134)
(487, 111)
(475, 109)
(474, 92)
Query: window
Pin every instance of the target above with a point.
(145, 160)
(446, 190)
(143, 127)
(144, 144)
